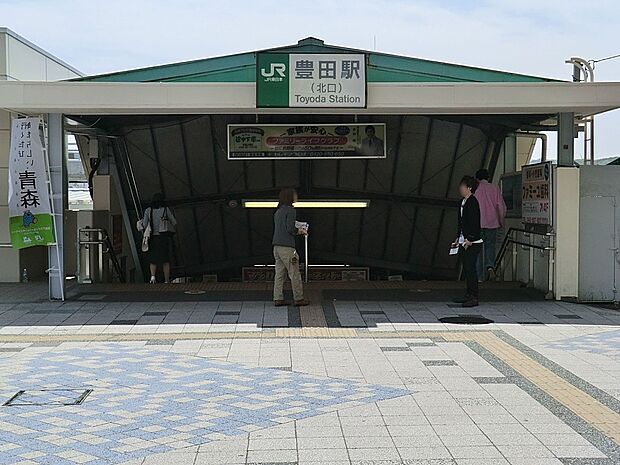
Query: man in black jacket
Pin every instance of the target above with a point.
(469, 238)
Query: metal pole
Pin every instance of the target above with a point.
(551, 277)
(585, 67)
(592, 139)
(79, 258)
(531, 267)
(100, 255)
(306, 273)
(514, 261)
(57, 176)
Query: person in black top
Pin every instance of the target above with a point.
(469, 239)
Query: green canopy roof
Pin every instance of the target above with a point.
(382, 67)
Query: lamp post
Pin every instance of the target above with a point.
(585, 68)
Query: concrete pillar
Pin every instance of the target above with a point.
(566, 139)
(566, 226)
(58, 176)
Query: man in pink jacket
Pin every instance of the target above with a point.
(492, 215)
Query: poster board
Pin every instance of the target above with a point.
(306, 141)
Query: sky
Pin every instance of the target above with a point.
(528, 36)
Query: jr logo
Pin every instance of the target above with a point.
(274, 68)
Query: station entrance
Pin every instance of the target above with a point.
(165, 129)
(402, 229)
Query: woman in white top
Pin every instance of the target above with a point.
(163, 223)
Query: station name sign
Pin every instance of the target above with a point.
(310, 80)
(305, 141)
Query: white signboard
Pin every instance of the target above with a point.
(319, 80)
(30, 219)
(536, 197)
(311, 80)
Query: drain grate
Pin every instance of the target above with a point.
(124, 322)
(466, 320)
(92, 297)
(282, 368)
(49, 397)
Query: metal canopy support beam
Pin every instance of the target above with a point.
(419, 187)
(510, 154)
(57, 174)
(127, 222)
(495, 153)
(192, 192)
(449, 187)
(566, 139)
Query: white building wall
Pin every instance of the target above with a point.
(3, 57)
(21, 60)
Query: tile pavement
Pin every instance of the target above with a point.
(509, 393)
(144, 402)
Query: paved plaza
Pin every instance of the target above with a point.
(100, 381)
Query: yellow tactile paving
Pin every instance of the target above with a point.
(289, 332)
(313, 316)
(342, 332)
(582, 404)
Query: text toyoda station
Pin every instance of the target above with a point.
(213, 134)
(309, 80)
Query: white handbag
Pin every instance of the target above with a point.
(147, 232)
(145, 238)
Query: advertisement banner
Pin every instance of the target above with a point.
(536, 189)
(30, 216)
(311, 80)
(301, 141)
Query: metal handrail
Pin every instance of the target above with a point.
(115, 263)
(508, 240)
(126, 180)
(103, 240)
(528, 244)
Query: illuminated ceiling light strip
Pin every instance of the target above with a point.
(308, 203)
(259, 203)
